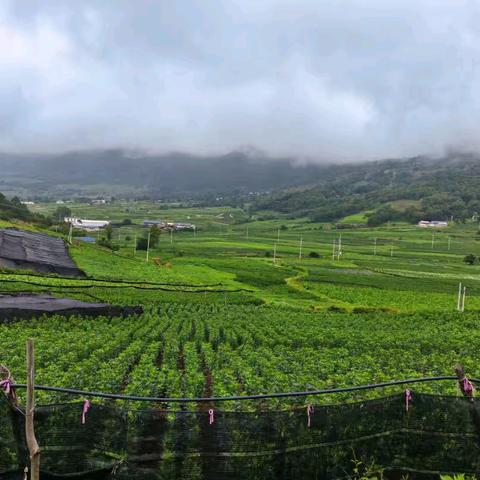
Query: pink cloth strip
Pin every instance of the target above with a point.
(408, 398)
(86, 408)
(6, 385)
(212, 416)
(467, 387)
(310, 411)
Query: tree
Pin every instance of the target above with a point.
(61, 213)
(142, 243)
(109, 232)
(154, 236)
(470, 259)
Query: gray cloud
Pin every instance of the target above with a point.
(325, 80)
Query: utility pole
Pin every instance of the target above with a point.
(433, 240)
(375, 246)
(459, 295)
(148, 246)
(70, 229)
(32, 444)
(391, 250)
(135, 245)
(274, 253)
(463, 298)
(339, 250)
(449, 243)
(300, 250)
(171, 236)
(333, 251)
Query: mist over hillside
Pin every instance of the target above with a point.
(120, 173)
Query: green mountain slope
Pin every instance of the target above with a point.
(437, 189)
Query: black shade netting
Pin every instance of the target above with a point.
(438, 434)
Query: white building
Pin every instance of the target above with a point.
(86, 224)
(432, 224)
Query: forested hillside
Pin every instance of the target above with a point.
(439, 189)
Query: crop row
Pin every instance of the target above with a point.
(193, 350)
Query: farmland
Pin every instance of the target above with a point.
(246, 306)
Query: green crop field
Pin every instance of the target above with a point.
(253, 306)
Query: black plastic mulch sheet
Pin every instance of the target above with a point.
(21, 306)
(438, 435)
(35, 251)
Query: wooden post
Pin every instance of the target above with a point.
(32, 444)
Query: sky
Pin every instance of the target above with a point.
(322, 80)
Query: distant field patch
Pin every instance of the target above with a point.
(360, 217)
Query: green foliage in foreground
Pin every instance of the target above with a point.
(187, 350)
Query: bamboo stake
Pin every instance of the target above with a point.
(32, 444)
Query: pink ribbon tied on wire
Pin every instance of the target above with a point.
(467, 387)
(211, 419)
(6, 385)
(310, 411)
(86, 408)
(408, 398)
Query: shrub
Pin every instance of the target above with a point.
(470, 259)
(142, 243)
(314, 255)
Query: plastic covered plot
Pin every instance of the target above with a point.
(27, 306)
(20, 249)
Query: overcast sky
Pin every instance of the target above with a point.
(324, 79)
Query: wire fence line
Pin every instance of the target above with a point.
(73, 391)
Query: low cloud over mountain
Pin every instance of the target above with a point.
(342, 80)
